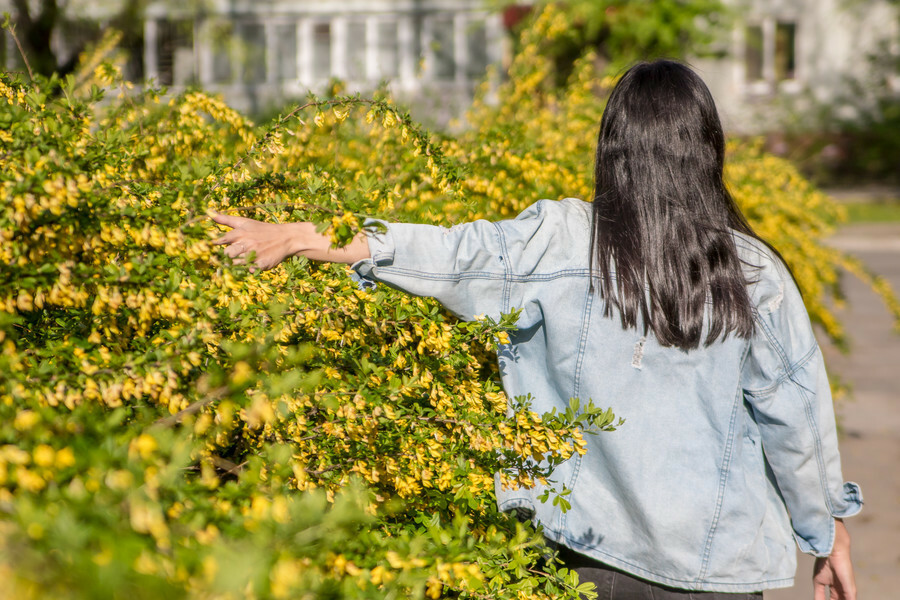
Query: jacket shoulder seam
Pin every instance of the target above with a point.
(789, 368)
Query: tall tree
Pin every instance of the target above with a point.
(38, 22)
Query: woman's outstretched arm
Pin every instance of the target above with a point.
(274, 242)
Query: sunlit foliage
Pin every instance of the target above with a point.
(172, 425)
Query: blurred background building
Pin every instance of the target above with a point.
(433, 53)
(801, 51)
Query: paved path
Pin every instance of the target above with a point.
(870, 446)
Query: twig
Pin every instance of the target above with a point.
(12, 31)
(324, 470)
(191, 409)
(226, 465)
(300, 205)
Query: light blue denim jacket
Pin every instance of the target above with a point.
(725, 450)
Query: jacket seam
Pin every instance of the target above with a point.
(504, 257)
(518, 278)
(723, 477)
(817, 440)
(576, 471)
(576, 387)
(808, 409)
(582, 342)
(442, 276)
(790, 369)
(460, 275)
(770, 336)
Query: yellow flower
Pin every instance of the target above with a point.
(341, 112)
(44, 455)
(25, 420)
(144, 445)
(241, 372)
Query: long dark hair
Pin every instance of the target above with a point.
(663, 220)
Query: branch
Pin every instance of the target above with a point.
(226, 465)
(190, 410)
(22, 9)
(324, 470)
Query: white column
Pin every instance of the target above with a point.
(373, 73)
(271, 52)
(151, 57)
(305, 51)
(339, 47)
(499, 46)
(406, 50)
(196, 32)
(768, 34)
(739, 51)
(495, 37)
(204, 54)
(460, 48)
(427, 45)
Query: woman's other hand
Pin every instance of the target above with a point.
(833, 575)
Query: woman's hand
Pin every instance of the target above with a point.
(272, 243)
(836, 570)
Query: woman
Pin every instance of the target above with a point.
(656, 299)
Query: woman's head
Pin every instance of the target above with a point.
(663, 218)
(660, 124)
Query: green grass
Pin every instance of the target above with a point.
(865, 212)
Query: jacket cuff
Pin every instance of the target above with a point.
(850, 503)
(381, 249)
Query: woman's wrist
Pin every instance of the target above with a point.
(841, 537)
(301, 237)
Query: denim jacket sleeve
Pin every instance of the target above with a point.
(785, 383)
(467, 268)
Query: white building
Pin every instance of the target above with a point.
(432, 53)
(257, 53)
(436, 51)
(797, 52)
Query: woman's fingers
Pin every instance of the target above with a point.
(251, 266)
(236, 223)
(228, 221)
(232, 221)
(240, 254)
(236, 249)
(228, 238)
(234, 242)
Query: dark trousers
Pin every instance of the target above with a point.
(613, 584)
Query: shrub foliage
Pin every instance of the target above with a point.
(171, 424)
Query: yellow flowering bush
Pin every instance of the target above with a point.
(172, 425)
